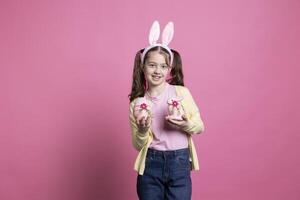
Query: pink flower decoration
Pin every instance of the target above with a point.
(175, 103)
(143, 106)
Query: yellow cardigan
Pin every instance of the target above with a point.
(142, 141)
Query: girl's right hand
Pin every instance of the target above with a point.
(144, 124)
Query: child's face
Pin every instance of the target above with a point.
(156, 69)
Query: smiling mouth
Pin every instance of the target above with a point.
(156, 77)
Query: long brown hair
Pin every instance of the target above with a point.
(138, 88)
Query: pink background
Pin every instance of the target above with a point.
(65, 73)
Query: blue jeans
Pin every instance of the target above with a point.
(167, 176)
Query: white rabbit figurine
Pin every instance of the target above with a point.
(142, 108)
(175, 108)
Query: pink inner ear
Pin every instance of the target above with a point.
(168, 33)
(154, 33)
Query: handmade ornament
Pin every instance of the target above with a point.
(142, 108)
(175, 108)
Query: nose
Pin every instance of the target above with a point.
(157, 70)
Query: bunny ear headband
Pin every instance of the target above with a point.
(167, 36)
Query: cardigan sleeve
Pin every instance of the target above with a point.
(196, 125)
(139, 140)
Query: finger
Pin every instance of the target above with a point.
(167, 118)
(144, 122)
(172, 121)
(141, 121)
(178, 122)
(148, 120)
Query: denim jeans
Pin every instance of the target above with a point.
(167, 176)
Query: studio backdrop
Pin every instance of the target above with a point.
(66, 72)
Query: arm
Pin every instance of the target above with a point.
(195, 123)
(139, 140)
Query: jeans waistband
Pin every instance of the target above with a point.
(184, 151)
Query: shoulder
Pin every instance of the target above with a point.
(135, 101)
(132, 103)
(182, 90)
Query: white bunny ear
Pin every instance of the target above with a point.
(168, 33)
(154, 33)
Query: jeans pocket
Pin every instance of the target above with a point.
(183, 161)
(149, 159)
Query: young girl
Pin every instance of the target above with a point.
(166, 150)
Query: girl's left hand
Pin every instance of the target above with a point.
(181, 123)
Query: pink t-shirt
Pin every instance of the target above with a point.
(166, 136)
